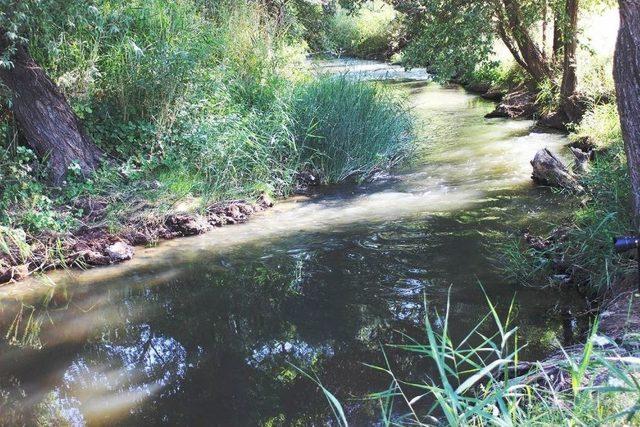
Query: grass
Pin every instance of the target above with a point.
(378, 130)
(600, 126)
(478, 381)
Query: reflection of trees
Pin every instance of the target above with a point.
(212, 342)
(218, 339)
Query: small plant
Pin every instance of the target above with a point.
(548, 98)
(600, 126)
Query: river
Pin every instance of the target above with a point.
(203, 330)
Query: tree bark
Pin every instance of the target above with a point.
(545, 9)
(45, 118)
(557, 38)
(537, 66)
(510, 44)
(568, 99)
(626, 72)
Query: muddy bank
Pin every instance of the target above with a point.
(93, 246)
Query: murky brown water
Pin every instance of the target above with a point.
(200, 331)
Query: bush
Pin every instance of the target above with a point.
(22, 199)
(230, 155)
(601, 126)
(310, 21)
(366, 32)
(504, 75)
(595, 76)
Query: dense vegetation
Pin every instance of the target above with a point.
(188, 100)
(197, 101)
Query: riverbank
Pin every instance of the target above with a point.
(332, 277)
(182, 132)
(593, 382)
(95, 245)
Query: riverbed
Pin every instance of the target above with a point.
(207, 330)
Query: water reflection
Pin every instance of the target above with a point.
(204, 330)
(216, 338)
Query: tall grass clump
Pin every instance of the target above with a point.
(348, 128)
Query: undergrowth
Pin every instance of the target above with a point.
(192, 100)
(581, 248)
(370, 31)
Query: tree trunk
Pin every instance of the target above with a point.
(45, 118)
(510, 44)
(569, 104)
(626, 72)
(537, 66)
(545, 9)
(557, 38)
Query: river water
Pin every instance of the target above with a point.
(204, 330)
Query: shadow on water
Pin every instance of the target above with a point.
(202, 330)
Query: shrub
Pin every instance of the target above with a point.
(505, 75)
(595, 75)
(366, 32)
(232, 153)
(310, 22)
(601, 125)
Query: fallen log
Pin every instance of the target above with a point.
(549, 170)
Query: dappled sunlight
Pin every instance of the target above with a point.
(137, 371)
(111, 380)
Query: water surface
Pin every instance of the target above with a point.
(203, 330)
